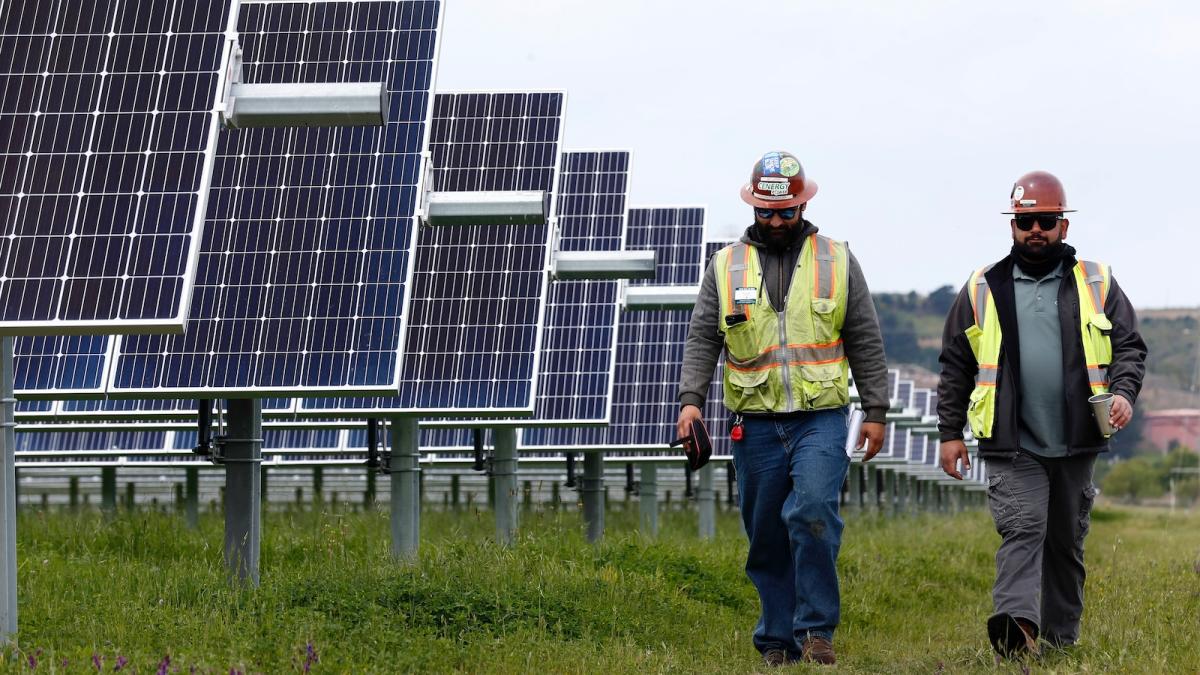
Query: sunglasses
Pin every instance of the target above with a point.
(1045, 221)
(786, 214)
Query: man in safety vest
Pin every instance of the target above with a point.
(1028, 341)
(793, 315)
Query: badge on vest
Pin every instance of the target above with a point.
(746, 295)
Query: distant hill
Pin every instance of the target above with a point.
(912, 334)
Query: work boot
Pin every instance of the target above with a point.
(775, 657)
(1011, 637)
(817, 649)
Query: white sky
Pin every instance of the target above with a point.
(914, 117)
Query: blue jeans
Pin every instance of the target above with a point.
(789, 474)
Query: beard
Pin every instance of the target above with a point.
(779, 239)
(1042, 253)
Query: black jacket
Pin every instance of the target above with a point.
(1125, 373)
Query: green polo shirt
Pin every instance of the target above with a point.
(1043, 402)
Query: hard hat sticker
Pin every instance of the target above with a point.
(788, 166)
(745, 295)
(1018, 192)
(776, 189)
(770, 162)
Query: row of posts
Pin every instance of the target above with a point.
(867, 488)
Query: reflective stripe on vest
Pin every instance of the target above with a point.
(791, 361)
(1092, 281)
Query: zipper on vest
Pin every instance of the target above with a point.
(783, 367)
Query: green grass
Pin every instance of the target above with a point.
(916, 593)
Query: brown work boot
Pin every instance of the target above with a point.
(1012, 637)
(775, 658)
(817, 649)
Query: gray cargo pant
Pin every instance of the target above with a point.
(1042, 510)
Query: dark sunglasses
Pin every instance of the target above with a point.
(1045, 221)
(786, 214)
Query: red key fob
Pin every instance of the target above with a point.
(736, 433)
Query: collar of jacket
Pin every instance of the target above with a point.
(1000, 280)
(807, 229)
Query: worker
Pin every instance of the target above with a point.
(1027, 342)
(793, 315)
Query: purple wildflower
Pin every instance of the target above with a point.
(121, 661)
(97, 662)
(310, 657)
(32, 661)
(164, 666)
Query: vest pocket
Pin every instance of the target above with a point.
(747, 390)
(823, 310)
(1099, 330)
(824, 386)
(981, 411)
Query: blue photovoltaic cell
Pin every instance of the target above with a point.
(95, 441)
(59, 364)
(649, 343)
(107, 126)
(478, 299)
(304, 268)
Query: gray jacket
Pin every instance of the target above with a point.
(860, 331)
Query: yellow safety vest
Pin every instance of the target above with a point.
(1092, 280)
(792, 361)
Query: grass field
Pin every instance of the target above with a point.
(141, 588)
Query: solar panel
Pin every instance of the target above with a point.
(304, 271)
(478, 300)
(109, 113)
(649, 343)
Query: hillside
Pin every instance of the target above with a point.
(912, 334)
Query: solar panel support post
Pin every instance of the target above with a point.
(593, 496)
(504, 470)
(488, 208)
(108, 490)
(604, 265)
(191, 497)
(243, 490)
(404, 469)
(325, 104)
(8, 488)
(706, 501)
(648, 500)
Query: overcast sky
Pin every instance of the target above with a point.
(913, 117)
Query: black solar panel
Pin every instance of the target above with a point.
(479, 293)
(305, 269)
(108, 125)
(649, 343)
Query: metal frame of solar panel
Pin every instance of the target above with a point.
(479, 293)
(112, 112)
(304, 274)
(649, 343)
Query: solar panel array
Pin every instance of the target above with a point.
(304, 269)
(576, 369)
(109, 118)
(478, 301)
(649, 343)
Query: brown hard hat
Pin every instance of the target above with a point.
(1038, 192)
(778, 182)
